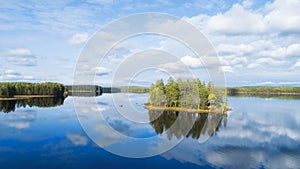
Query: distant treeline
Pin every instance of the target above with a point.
(134, 89)
(76, 90)
(192, 94)
(10, 89)
(83, 88)
(264, 90)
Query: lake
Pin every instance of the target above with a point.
(109, 132)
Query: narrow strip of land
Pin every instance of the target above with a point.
(18, 97)
(183, 109)
(265, 90)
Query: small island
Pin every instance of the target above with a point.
(187, 96)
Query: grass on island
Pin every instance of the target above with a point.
(188, 110)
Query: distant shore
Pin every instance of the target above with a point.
(264, 90)
(18, 97)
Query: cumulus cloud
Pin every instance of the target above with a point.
(191, 61)
(16, 76)
(243, 49)
(283, 15)
(240, 19)
(227, 69)
(182, 65)
(266, 61)
(20, 57)
(78, 38)
(101, 71)
(261, 48)
(293, 50)
(233, 60)
(237, 21)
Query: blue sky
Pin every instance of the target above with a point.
(257, 41)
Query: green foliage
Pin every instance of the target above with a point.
(188, 94)
(9, 89)
(157, 97)
(172, 93)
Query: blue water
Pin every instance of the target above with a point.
(258, 133)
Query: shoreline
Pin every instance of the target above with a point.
(20, 97)
(182, 109)
(264, 93)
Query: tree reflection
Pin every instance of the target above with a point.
(203, 124)
(7, 106)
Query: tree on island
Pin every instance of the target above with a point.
(191, 94)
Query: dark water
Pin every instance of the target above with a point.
(258, 133)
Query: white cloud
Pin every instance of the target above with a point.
(269, 61)
(10, 74)
(240, 19)
(244, 48)
(293, 50)
(228, 69)
(257, 48)
(77, 139)
(240, 49)
(102, 71)
(191, 62)
(247, 3)
(237, 21)
(283, 15)
(233, 60)
(79, 38)
(182, 65)
(200, 20)
(20, 57)
(266, 62)
(296, 65)
(19, 51)
(278, 52)
(267, 83)
(278, 83)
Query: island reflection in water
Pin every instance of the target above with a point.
(204, 124)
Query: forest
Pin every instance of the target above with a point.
(11, 89)
(190, 94)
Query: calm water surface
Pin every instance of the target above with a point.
(258, 133)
